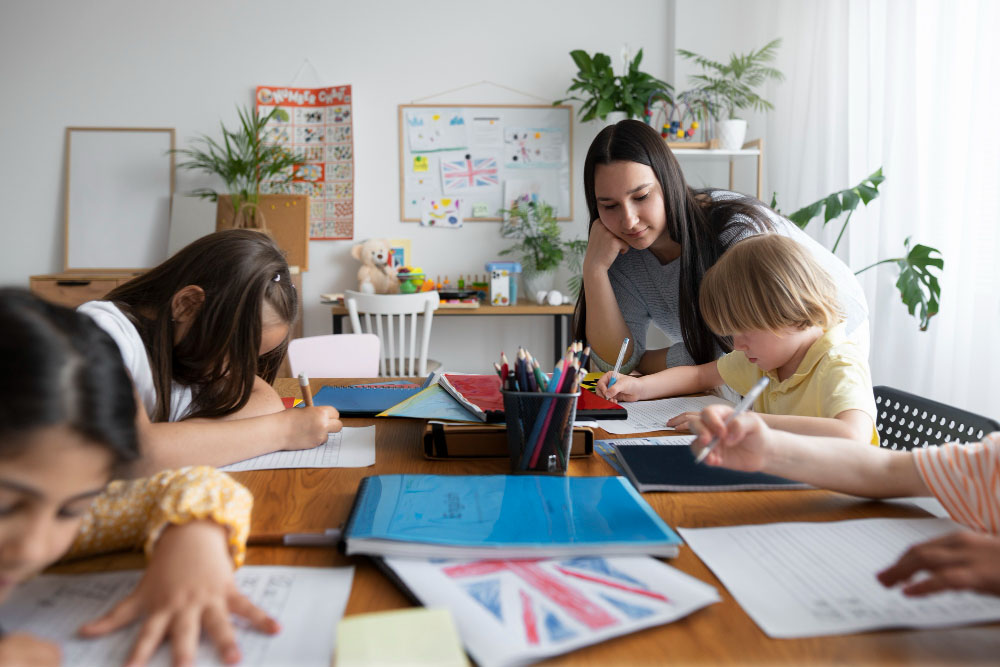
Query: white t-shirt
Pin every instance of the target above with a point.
(110, 318)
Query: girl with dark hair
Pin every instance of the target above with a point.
(202, 336)
(652, 238)
(67, 426)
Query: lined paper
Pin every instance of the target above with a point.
(645, 416)
(350, 448)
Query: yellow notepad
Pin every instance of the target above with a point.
(419, 636)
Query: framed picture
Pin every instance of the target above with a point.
(400, 252)
(119, 183)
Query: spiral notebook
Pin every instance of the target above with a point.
(366, 400)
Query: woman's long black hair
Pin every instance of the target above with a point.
(694, 220)
(60, 368)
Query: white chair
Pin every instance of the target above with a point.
(385, 315)
(335, 356)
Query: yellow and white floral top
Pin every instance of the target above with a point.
(134, 513)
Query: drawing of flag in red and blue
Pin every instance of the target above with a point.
(469, 172)
(556, 600)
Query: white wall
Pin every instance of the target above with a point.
(187, 64)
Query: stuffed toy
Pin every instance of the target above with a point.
(376, 275)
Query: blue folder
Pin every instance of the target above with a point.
(365, 400)
(504, 516)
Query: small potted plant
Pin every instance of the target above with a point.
(244, 160)
(728, 87)
(539, 243)
(604, 93)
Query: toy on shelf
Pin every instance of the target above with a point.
(376, 275)
(679, 120)
(503, 282)
(411, 280)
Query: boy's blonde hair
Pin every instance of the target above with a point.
(766, 283)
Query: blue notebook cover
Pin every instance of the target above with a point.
(364, 400)
(672, 468)
(504, 516)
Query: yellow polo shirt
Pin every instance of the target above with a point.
(832, 377)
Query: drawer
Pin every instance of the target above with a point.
(72, 292)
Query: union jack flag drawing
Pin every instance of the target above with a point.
(469, 172)
(557, 600)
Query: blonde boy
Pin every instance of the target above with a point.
(780, 308)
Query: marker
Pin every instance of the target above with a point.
(307, 395)
(740, 409)
(618, 364)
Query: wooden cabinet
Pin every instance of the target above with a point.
(73, 289)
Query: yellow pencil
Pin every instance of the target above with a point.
(307, 395)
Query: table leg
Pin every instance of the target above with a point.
(338, 324)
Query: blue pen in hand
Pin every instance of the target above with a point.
(618, 364)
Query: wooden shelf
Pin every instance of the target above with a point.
(753, 148)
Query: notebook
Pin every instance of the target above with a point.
(419, 637)
(480, 394)
(365, 400)
(503, 516)
(672, 468)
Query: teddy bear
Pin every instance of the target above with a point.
(376, 275)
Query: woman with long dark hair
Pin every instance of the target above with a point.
(652, 238)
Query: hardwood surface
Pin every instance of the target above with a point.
(312, 500)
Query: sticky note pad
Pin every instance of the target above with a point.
(420, 636)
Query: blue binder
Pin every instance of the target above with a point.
(504, 516)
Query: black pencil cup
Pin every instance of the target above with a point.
(539, 430)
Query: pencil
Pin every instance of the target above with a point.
(744, 404)
(307, 394)
(327, 538)
(618, 364)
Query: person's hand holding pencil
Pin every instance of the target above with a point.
(717, 424)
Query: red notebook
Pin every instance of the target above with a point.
(480, 395)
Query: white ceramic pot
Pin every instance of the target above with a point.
(614, 116)
(538, 281)
(731, 134)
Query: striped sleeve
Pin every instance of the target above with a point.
(966, 479)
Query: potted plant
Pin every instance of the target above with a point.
(731, 86)
(533, 223)
(244, 161)
(604, 93)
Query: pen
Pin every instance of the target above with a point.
(328, 538)
(744, 404)
(307, 394)
(618, 364)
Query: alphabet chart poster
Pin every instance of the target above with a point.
(316, 122)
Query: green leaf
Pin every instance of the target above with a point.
(849, 200)
(806, 213)
(604, 107)
(832, 208)
(867, 193)
(582, 60)
(918, 287)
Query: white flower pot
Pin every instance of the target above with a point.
(731, 134)
(614, 116)
(536, 281)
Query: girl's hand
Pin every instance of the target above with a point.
(308, 427)
(743, 443)
(963, 560)
(603, 248)
(27, 650)
(626, 388)
(188, 588)
(683, 421)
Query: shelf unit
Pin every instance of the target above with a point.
(754, 148)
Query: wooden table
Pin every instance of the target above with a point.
(560, 315)
(312, 500)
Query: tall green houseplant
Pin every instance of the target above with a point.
(733, 84)
(918, 286)
(602, 92)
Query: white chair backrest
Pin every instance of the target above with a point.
(335, 356)
(385, 315)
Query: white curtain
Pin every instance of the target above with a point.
(911, 86)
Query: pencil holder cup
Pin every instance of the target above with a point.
(539, 430)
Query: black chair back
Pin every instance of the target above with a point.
(906, 421)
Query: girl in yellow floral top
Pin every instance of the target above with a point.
(67, 424)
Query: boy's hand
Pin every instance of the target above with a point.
(308, 427)
(625, 388)
(683, 421)
(19, 648)
(962, 560)
(744, 443)
(188, 587)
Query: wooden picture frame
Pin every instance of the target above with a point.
(554, 171)
(119, 183)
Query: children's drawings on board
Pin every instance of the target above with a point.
(441, 212)
(533, 147)
(436, 130)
